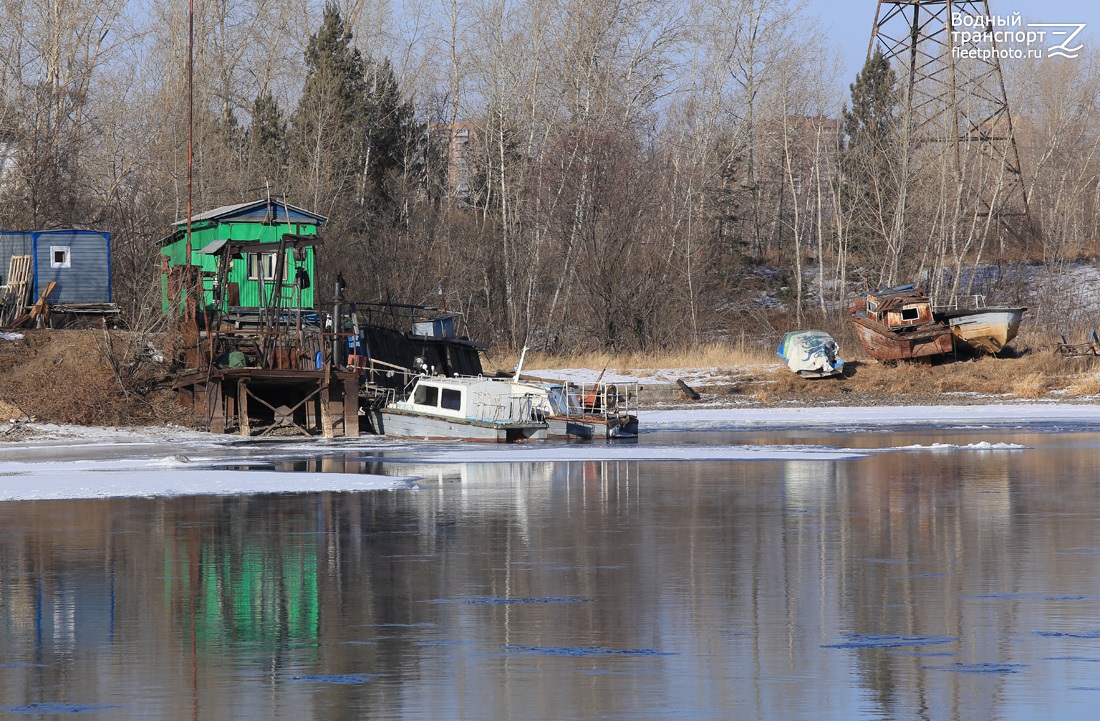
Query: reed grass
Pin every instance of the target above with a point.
(705, 356)
(1033, 370)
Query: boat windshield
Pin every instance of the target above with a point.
(564, 401)
(426, 395)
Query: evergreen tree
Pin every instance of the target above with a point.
(266, 143)
(327, 127)
(396, 139)
(870, 159)
(873, 117)
(352, 127)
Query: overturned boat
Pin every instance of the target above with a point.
(811, 354)
(897, 323)
(986, 330)
(473, 409)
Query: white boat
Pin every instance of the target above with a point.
(985, 329)
(475, 409)
(599, 411)
(811, 354)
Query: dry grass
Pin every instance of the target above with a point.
(66, 376)
(708, 356)
(1086, 385)
(1035, 372)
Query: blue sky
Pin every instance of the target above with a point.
(848, 23)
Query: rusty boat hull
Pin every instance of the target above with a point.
(987, 330)
(886, 344)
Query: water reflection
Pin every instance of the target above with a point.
(931, 584)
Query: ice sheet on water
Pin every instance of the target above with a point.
(979, 446)
(859, 640)
(995, 668)
(54, 708)
(585, 651)
(347, 679)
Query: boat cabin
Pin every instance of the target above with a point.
(253, 234)
(902, 306)
(467, 398)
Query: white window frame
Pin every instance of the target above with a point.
(268, 261)
(67, 259)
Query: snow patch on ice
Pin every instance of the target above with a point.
(979, 446)
(122, 479)
(870, 416)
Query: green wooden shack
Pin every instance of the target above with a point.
(253, 273)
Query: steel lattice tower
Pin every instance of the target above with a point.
(950, 95)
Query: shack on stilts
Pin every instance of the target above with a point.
(259, 358)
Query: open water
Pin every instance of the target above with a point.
(956, 582)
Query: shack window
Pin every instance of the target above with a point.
(60, 256)
(426, 396)
(266, 263)
(451, 399)
(910, 313)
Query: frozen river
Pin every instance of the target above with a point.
(833, 572)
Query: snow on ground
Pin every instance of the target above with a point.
(691, 376)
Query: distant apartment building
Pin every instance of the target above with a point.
(458, 144)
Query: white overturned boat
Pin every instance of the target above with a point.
(811, 354)
(473, 409)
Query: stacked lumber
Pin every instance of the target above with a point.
(15, 295)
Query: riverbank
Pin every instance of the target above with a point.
(56, 381)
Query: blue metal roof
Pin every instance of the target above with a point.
(258, 211)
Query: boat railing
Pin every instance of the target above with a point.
(601, 399)
(379, 375)
(512, 409)
(963, 302)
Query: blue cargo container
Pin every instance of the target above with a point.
(78, 261)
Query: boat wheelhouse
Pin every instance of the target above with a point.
(476, 409)
(897, 324)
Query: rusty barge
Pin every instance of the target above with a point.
(897, 323)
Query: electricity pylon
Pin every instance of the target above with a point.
(954, 92)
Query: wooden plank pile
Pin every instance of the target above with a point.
(15, 295)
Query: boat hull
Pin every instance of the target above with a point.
(986, 329)
(592, 427)
(398, 423)
(884, 344)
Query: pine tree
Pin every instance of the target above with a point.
(870, 159)
(352, 127)
(395, 138)
(873, 117)
(266, 143)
